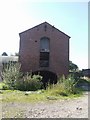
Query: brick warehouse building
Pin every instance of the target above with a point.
(44, 49)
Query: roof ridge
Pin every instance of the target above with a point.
(48, 24)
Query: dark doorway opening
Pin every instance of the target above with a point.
(48, 77)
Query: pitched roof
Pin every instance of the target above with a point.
(48, 24)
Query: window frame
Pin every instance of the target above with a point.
(44, 49)
(44, 53)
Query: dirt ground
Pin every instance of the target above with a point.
(70, 108)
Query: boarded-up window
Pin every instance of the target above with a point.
(44, 52)
(44, 59)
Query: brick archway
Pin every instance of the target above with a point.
(48, 77)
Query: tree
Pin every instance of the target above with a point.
(72, 67)
(74, 70)
(4, 54)
(16, 54)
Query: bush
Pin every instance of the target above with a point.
(57, 89)
(69, 84)
(64, 87)
(3, 86)
(11, 74)
(29, 83)
(14, 79)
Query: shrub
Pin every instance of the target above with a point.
(69, 84)
(29, 83)
(64, 86)
(3, 86)
(11, 74)
(14, 79)
(57, 89)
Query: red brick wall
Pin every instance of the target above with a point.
(59, 49)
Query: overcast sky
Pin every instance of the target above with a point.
(69, 17)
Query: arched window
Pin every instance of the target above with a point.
(44, 52)
(44, 44)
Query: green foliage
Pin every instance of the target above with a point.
(76, 75)
(13, 78)
(64, 86)
(11, 74)
(56, 90)
(70, 84)
(3, 86)
(72, 67)
(29, 83)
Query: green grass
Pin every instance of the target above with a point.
(54, 92)
(19, 96)
(1, 85)
(16, 96)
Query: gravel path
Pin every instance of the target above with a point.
(75, 108)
